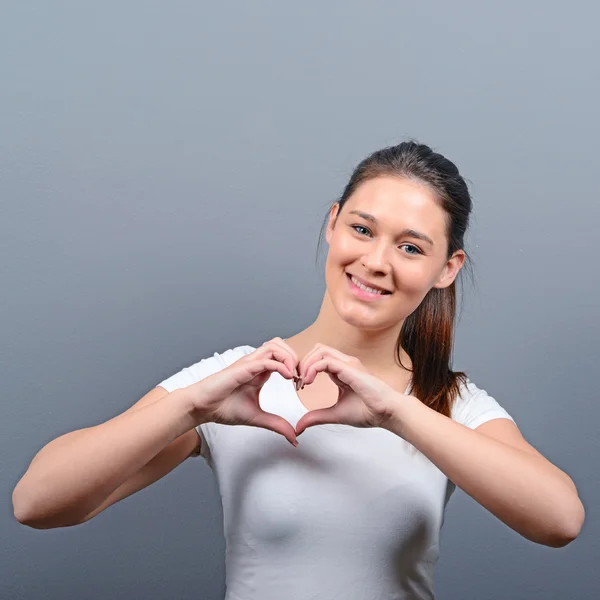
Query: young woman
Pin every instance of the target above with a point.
(387, 429)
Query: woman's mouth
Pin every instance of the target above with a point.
(364, 294)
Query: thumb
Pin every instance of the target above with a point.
(320, 416)
(276, 424)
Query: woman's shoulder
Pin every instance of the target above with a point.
(207, 365)
(221, 358)
(230, 355)
(474, 406)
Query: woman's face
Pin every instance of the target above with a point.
(385, 253)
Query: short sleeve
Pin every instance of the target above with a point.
(196, 372)
(475, 406)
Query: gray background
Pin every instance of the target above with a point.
(165, 169)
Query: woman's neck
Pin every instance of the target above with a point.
(375, 350)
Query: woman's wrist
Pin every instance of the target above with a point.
(400, 407)
(190, 404)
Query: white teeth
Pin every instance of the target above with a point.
(365, 288)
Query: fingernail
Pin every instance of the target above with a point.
(295, 444)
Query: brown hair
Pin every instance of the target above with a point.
(427, 335)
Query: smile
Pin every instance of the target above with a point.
(364, 292)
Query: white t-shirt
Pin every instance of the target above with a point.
(351, 514)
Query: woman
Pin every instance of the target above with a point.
(388, 429)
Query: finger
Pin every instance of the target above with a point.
(289, 349)
(308, 358)
(320, 351)
(279, 350)
(327, 363)
(259, 366)
(320, 416)
(276, 424)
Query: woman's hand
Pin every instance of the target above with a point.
(230, 396)
(364, 400)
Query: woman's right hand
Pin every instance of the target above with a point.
(230, 396)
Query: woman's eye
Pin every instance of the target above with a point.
(416, 250)
(359, 227)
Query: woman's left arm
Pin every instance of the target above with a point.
(498, 468)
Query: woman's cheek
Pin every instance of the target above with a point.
(413, 278)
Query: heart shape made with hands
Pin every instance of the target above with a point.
(364, 400)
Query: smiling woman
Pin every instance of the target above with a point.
(414, 207)
(388, 429)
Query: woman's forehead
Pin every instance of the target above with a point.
(395, 203)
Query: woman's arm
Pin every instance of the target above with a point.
(499, 469)
(75, 473)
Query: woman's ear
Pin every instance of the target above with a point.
(332, 218)
(450, 270)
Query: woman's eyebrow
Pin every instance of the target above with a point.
(404, 232)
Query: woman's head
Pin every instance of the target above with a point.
(392, 232)
(414, 249)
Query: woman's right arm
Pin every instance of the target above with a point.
(79, 474)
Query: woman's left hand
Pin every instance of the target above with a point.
(364, 400)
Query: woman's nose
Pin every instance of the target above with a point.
(377, 260)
